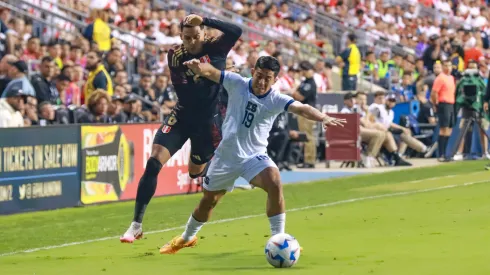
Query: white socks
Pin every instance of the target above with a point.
(193, 226)
(278, 222)
(136, 225)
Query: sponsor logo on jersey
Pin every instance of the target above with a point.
(205, 59)
(171, 120)
(166, 129)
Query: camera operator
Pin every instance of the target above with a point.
(443, 98)
(471, 98)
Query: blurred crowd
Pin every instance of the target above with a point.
(63, 64)
(113, 68)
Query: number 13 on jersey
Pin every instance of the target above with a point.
(249, 116)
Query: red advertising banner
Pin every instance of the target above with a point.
(114, 158)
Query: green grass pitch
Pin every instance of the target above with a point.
(422, 221)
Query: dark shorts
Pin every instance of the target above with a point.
(349, 83)
(445, 114)
(204, 135)
(396, 131)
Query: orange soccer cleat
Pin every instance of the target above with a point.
(176, 244)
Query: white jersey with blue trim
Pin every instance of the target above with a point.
(249, 119)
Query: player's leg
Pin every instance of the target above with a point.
(262, 172)
(445, 115)
(167, 141)
(204, 141)
(484, 124)
(219, 181)
(202, 213)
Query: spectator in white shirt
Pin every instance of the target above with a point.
(269, 49)
(10, 109)
(374, 138)
(392, 34)
(382, 110)
(239, 55)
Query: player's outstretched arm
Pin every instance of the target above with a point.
(312, 113)
(204, 70)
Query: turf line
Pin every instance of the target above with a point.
(257, 215)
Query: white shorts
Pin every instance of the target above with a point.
(222, 176)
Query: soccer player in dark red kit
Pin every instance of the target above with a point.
(193, 117)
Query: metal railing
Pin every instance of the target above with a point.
(333, 27)
(74, 21)
(49, 23)
(307, 46)
(292, 51)
(426, 12)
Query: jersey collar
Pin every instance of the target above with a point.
(251, 91)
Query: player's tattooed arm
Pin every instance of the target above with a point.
(312, 113)
(204, 70)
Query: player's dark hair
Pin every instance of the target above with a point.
(268, 63)
(379, 93)
(145, 75)
(182, 26)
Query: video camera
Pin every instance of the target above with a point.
(470, 91)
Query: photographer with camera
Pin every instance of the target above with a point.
(471, 99)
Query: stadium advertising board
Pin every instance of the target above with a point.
(114, 158)
(39, 168)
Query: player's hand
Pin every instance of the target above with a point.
(485, 107)
(332, 121)
(193, 65)
(193, 20)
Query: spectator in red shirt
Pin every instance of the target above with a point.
(33, 51)
(72, 95)
(473, 53)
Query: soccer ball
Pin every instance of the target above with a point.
(282, 250)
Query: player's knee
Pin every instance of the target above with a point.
(153, 167)
(195, 176)
(196, 171)
(274, 187)
(160, 153)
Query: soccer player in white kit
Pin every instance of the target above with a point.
(252, 108)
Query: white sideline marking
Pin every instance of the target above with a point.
(256, 215)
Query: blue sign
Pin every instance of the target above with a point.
(39, 168)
